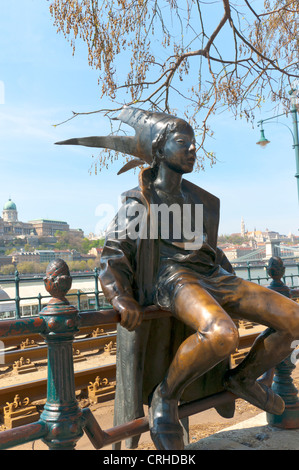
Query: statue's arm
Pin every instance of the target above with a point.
(222, 260)
(117, 275)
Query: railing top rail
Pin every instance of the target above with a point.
(19, 327)
(15, 328)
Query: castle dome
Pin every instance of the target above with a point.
(10, 206)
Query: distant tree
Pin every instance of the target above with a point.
(78, 265)
(85, 246)
(9, 251)
(91, 264)
(26, 267)
(7, 269)
(72, 241)
(28, 247)
(214, 55)
(30, 267)
(88, 244)
(67, 241)
(234, 239)
(41, 267)
(12, 245)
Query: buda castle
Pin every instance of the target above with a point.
(11, 227)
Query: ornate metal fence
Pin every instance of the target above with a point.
(62, 422)
(98, 299)
(15, 303)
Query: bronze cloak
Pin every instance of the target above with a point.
(130, 267)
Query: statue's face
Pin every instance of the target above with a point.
(179, 150)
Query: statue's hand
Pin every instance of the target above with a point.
(130, 311)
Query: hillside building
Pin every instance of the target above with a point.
(11, 227)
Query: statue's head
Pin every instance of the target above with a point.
(174, 147)
(152, 131)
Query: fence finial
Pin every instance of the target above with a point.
(58, 280)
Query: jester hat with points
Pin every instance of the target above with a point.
(147, 125)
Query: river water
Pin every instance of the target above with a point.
(34, 287)
(259, 273)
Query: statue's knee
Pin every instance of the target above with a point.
(289, 322)
(224, 338)
(293, 321)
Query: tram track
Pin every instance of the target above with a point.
(84, 332)
(37, 389)
(39, 352)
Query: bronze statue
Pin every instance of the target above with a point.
(159, 362)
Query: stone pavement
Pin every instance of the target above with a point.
(252, 434)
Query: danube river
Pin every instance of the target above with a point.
(259, 274)
(86, 284)
(33, 295)
(33, 287)
(83, 288)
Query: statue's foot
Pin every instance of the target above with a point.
(165, 430)
(256, 393)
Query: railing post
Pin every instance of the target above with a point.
(248, 271)
(61, 412)
(283, 383)
(17, 295)
(39, 298)
(78, 300)
(96, 288)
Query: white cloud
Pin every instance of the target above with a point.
(20, 124)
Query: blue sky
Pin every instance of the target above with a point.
(43, 82)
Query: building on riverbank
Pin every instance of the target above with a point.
(11, 227)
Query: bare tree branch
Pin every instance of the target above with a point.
(259, 58)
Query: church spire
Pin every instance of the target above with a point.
(242, 227)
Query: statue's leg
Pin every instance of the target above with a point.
(261, 305)
(215, 338)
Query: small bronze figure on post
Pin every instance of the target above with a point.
(184, 272)
(283, 383)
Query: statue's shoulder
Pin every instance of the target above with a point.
(133, 195)
(141, 193)
(203, 196)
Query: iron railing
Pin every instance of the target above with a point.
(62, 422)
(97, 297)
(292, 280)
